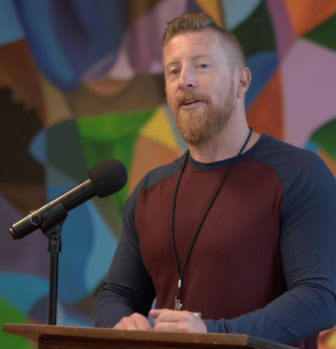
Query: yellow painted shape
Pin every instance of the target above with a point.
(212, 8)
(159, 129)
(331, 341)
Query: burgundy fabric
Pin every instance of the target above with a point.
(242, 269)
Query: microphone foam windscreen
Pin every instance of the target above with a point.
(108, 177)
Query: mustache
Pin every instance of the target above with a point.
(184, 96)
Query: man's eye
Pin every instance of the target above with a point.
(173, 71)
(203, 65)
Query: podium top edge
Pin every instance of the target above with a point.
(37, 331)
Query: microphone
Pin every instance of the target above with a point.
(105, 178)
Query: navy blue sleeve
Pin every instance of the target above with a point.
(307, 243)
(128, 287)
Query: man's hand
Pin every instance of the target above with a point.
(135, 321)
(178, 321)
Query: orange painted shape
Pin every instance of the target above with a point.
(329, 162)
(307, 14)
(147, 155)
(212, 8)
(265, 115)
(18, 71)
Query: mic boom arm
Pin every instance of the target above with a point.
(38, 218)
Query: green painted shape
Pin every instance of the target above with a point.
(324, 138)
(11, 315)
(324, 34)
(112, 136)
(113, 126)
(64, 150)
(256, 32)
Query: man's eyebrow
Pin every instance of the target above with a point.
(200, 56)
(172, 63)
(194, 58)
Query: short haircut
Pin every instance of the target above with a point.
(194, 22)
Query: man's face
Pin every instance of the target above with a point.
(199, 84)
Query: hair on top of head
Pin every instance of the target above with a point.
(194, 22)
(187, 22)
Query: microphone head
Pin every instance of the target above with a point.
(108, 177)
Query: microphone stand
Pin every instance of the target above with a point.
(52, 228)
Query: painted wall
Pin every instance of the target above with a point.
(81, 81)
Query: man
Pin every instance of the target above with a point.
(236, 236)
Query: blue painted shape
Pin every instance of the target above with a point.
(102, 250)
(87, 249)
(68, 37)
(93, 29)
(237, 11)
(262, 65)
(37, 147)
(311, 146)
(69, 317)
(22, 291)
(77, 239)
(10, 25)
(50, 59)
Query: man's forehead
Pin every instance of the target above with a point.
(204, 35)
(194, 45)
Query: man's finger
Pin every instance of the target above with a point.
(155, 313)
(180, 321)
(141, 322)
(135, 321)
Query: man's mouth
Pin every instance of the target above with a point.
(189, 101)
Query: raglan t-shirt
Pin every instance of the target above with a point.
(264, 262)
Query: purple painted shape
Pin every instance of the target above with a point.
(283, 28)
(140, 51)
(143, 40)
(111, 67)
(309, 85)
(28, 255)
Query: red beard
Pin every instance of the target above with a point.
(200, 124)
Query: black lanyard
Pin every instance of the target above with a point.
(178, 304)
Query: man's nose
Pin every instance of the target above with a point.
(187, 79)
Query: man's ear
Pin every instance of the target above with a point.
(244, 80)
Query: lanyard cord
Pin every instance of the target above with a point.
(178, 305)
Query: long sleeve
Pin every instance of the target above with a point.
(128, 287)
(307, 243)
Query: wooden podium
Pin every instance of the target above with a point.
(64, 337)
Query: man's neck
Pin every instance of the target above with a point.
(223, 146)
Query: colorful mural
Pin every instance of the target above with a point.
(81, 81)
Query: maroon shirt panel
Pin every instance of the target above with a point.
(235, 265)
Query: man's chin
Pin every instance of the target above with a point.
(189, 114)
(193, 137)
